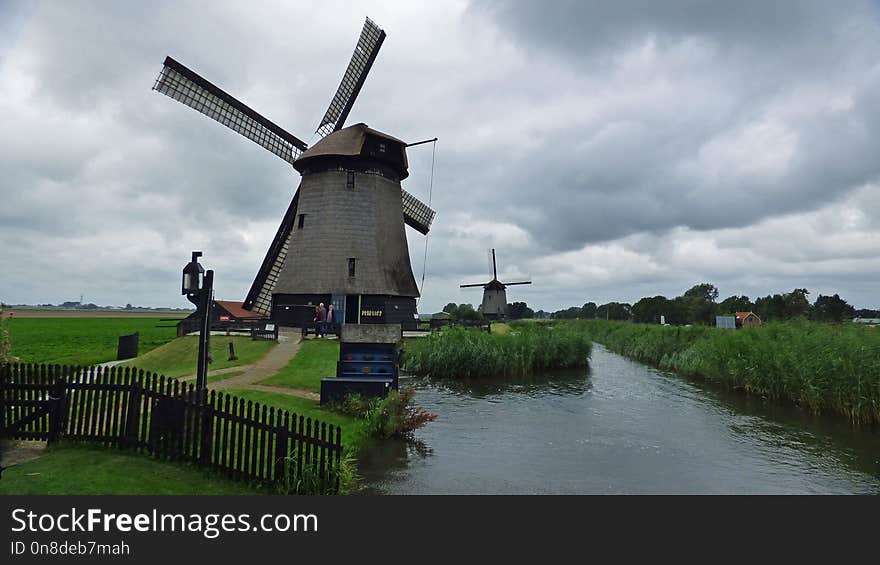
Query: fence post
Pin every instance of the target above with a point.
(135, 392)
(56, 405)
(337, 455)
(4, 380)
(4, 385)
(281, 439)
(206, 427)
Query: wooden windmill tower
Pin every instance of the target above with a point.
(494, 305)
(342, 239)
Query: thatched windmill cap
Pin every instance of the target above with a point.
(358, 140)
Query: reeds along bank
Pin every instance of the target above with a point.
(827, 368)
(462, 353)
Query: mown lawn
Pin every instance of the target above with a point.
(85, 469)
(315, 360)
(179, 357)
(354, 435)
(82, 341)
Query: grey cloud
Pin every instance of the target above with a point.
(608, 150)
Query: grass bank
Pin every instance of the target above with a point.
(88, 469)
(461, 353)
(354, 435)
(178, 358)
(825, 368)
(82, 341)
(315, 360)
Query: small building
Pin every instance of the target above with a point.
(867, 321)
(231, 311)
(223, 312)
(747, 320)
(725, 322)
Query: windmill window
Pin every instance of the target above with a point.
(300, 221)
(350, 182)
(351, 263)
(381, 148)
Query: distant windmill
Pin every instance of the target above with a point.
(342, 239)
(494, 303)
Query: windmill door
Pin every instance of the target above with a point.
(351, 308)
(338, 301)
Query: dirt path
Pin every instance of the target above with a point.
(289, 341)
(14, 452)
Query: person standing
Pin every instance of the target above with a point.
(330, 319)
(319, 319)
(322, 316)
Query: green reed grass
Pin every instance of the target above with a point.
(823, 367)
(466, 353)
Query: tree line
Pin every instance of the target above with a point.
(697, 305)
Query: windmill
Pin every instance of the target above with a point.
(342, 239)
(494, 302)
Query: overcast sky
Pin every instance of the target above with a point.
(608, 150)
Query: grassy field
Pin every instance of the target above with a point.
(67, 313)
(82, 341)
(315, 360)
(88, 469)
(823, 367)
(461, 353)
(178, 358)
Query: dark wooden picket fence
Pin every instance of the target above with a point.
(136, 410)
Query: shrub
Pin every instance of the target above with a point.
(393, 416)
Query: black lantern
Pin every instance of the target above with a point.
(193, 275)
(198, 287)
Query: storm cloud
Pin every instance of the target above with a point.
(608, 150)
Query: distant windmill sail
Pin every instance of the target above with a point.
(494, 302)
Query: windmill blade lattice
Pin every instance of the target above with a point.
(361, 60)
(184, 85)
(416, 213)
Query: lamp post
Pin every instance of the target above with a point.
(198, 287)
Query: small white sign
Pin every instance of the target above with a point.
(270, 327)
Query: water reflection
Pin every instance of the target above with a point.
(778, 425)
(620, 427)
(563, 382)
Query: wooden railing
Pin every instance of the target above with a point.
(149, 413)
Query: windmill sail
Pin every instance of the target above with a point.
(259, 298)
(182, 84)
(416, 213)
(361, 60)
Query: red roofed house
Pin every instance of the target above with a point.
(223, 311)
(747, 320)
(230, 311)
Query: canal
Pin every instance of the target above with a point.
(619, 427)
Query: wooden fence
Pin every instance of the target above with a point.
(135, 410)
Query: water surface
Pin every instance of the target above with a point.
(619, 427)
